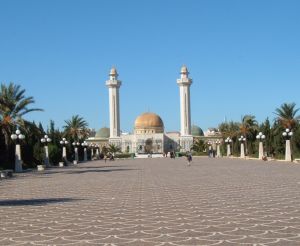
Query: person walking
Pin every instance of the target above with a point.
(189, 158)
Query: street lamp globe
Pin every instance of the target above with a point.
(242, 139)
(46, 139)
(260, 136)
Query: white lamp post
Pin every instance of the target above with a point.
(260, 137)
(45, 140)
(76, 145)
(210, 151)
(18, 161)
(64, 142)
(84, 145)
(97, 151)
(242, 139)
(228, 140)
(93, 146)
(287, 134)
(218, 142)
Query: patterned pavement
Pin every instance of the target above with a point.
(154, 202)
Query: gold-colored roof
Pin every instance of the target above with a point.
(148, 120)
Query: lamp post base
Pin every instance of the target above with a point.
(41, 167)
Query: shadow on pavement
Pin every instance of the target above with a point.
(97, 171)
(35, 202)
(100, 167)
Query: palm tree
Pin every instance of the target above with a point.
(248, 125)
(113, 149)
(286, 115)
(198, 146)
(76, 128)
(249, 128)
(13, 106)
(229, 129)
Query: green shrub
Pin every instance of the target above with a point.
(201, 153)
(123, 155)
(55, 154)
(180, 154)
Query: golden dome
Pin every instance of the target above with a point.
(148, 120)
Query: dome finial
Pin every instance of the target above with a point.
(184, 69)
(113, 71)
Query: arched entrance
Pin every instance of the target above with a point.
(148, 146)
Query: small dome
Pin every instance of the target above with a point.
(103, 133)
(184, 70)
(113, 71)
(148, 120)
(196, 131)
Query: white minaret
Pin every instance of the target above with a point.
(113, 85)
(185, 106)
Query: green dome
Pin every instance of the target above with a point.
(196, 131)
(103, 133)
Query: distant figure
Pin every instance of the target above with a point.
(189, 158)
(174, 155)
(171, 155)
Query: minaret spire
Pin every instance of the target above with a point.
(113, 85)
(185, 106)
(185, 109)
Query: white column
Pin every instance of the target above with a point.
(85, 154)
(228, 150)
(260, 150)
(97, 153)
(113, 85)
(185, 115)
(92, 153)
(46, 161)
(288, 154)
(185, 107)
(218, 151)
(64, 153)
(18, 160)
(242, 150)
(76, 154)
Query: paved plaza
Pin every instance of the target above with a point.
(154, 202)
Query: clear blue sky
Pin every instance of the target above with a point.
(243, 56)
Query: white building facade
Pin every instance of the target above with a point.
(148, 134)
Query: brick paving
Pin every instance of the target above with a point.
(154, 202)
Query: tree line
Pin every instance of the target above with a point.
(14, 105)
(274, 143)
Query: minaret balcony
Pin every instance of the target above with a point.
(184, 81)
(113, 83)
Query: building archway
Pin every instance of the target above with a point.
(149, 146)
